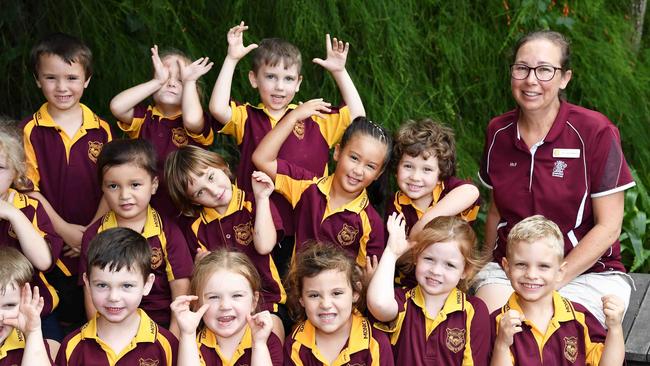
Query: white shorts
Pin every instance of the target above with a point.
(586, 289)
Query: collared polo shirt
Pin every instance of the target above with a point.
(170, 259)
(235, 230)
(573, 336)
(35, 213)
(458, 335)
(166, 134)
(13, 348)
(366, 346)
(356, 226)
(210, 353)
(579, 159)
(308, 146)
(64, 168)
(151, 346)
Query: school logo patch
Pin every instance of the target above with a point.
(347, 235)
(179, 136)
(299, 130)
(148, 362)
(94, 148)
(156, 258)
(571, 348)
(455, 339)
(244, 233)
(558, 169)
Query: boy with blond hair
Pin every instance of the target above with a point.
(538, 326)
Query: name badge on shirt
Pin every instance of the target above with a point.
(566, 153)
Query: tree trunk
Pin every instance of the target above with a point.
(638, 15)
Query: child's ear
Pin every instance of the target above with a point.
(87, 82)
(302, 303)
(38, 83)
(337, 151)
(154, 185)
(86, 280)
(299, 82)
(256, 298)
(505, 265)
(253, 79)
(148, 284)
(561, 272)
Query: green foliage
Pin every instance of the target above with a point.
(635, 241)
(446, 60)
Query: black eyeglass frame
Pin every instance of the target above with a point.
(534, 69)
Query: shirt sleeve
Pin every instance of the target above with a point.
(594, 334)
(206, 136)
(470, 213)
(275, 349)
(483, 173)
(237, 124)
(178, 257)
(139, 116)
(290, 181)
(44, 225)
(30, 157)
(333, 124)
(88, 235)
(373, 234)
(609, 171)
(480, 344)
(393, 328)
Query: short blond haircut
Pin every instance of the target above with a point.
(537, 228)
(15, 269)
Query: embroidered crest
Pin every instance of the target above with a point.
(94, 148)
(11, 232)
(571, 348)
(299, 130)
(148, 362)
(156, 258)
(179, 136)
(558, 169)
(347, 235)
(455, 339)
(244, 233)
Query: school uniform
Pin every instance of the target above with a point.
(366, 346)
(35, 213)
(573, 337)
(13, 349)
(458, 335)
(356, 226)
(166, 134)
(210, 353)
(234, 230)
(308, 146)
(579, 159)
(151, 346)
(170, 259)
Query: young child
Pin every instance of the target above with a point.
(224, 216)
(227, 288)
(127, 170)
(425, 152)
(21, 339)
(24, 224)
(434, 323)
(62, 141)
(326, 297)
(175, 119)
(334, 208)
(118, 276)
(537, 325)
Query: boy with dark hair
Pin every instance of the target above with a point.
(118, 276)
(62, 141)
(538, 326)
(21, 339)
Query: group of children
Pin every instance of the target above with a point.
(173, 259)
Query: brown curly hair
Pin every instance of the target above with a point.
(427, 138)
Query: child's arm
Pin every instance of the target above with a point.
(193, 120)
(265, 157)
(70, 233)
(381, 296)
(491, 223)
(509, 325)
(122, 104)
(188, 351)
(261, 325)
(178, 287)
(614, 350)
(265, 236)
(337, 54)
(455, 202)
(220, 100)
(32, 244)
(28, 320)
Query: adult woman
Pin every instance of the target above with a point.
(563, 161)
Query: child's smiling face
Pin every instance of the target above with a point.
(417, 178)
(62, 84)
(277, 85)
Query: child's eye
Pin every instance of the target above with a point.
(136, 185)
(128, 285)
(312, 296)
(111, 186)
(237, 295)
(198, 194)
(428, 170)
(101, 285)
(270, 76)
(451, 265)
(290, 78)
(371, 167)
(211, 177)
(520, 265)
(9, 305)
(338, 293)
(407, 166)
(73, 77)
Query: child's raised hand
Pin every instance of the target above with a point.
(509, 325)
(187, 319)
(310, 108)
(160, 72)
(236, 49)
(262, 185)
(371, 267)
(195, 70)
(7, 208)
(613, 308)
(261, 325)
(337, 54)
(27, 317)
(397, 242)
